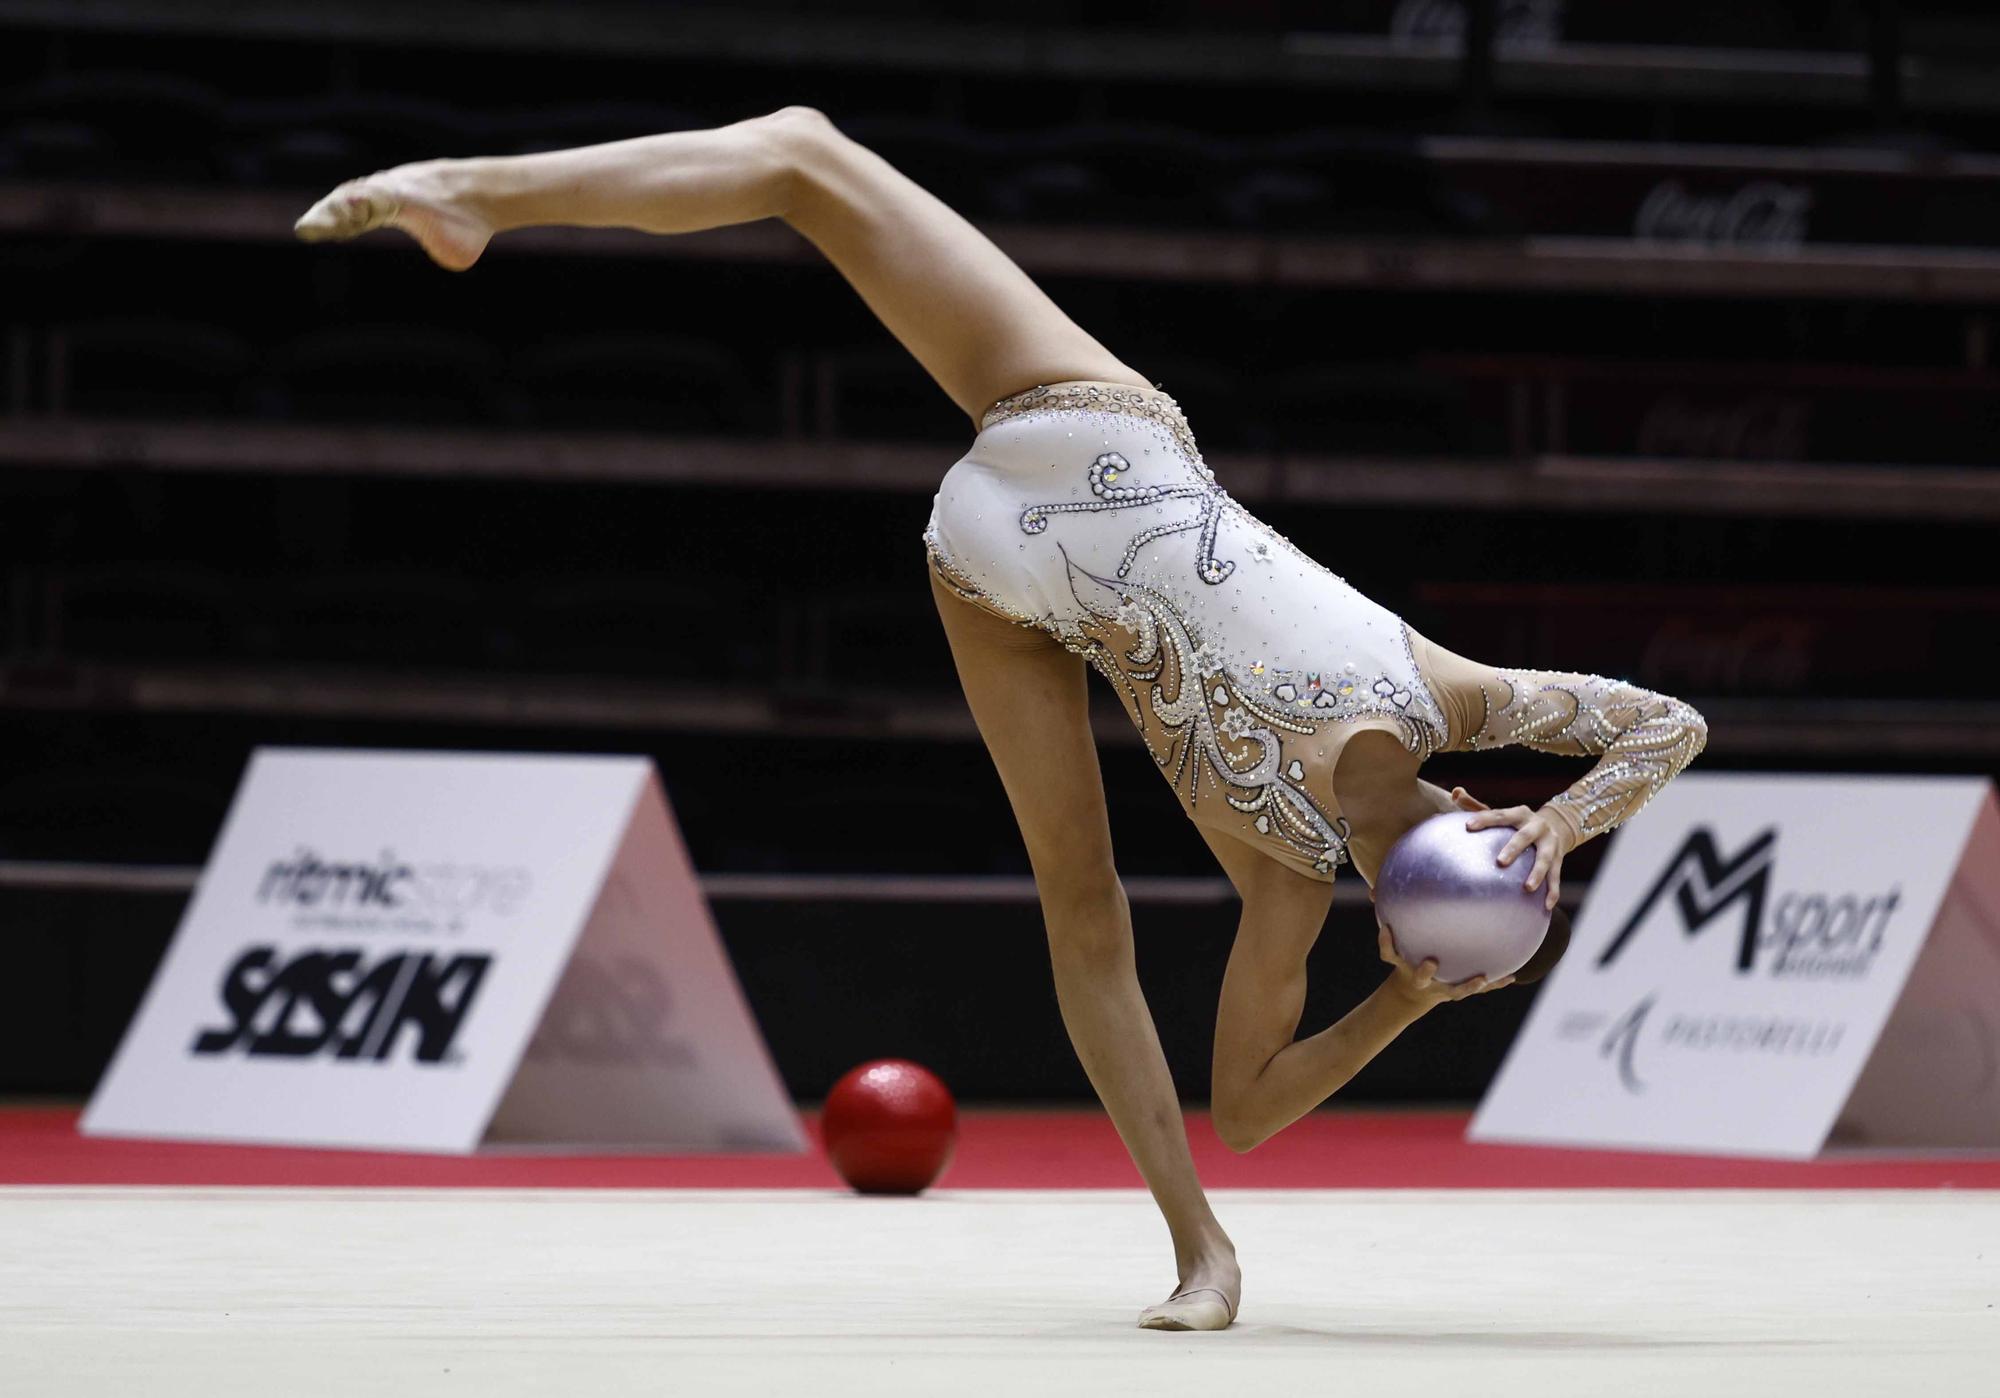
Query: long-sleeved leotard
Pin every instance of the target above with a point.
(1084, 509)
(1642, 740)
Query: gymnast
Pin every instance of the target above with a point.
(1290, 713)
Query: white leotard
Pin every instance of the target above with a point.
(1085, 510)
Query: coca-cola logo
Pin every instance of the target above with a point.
(1763, 427)
(1521, 24)
(1762, 653)
(1760, 213)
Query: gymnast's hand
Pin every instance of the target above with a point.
(1419, 984)
(1551, 837)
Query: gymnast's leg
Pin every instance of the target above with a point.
(1028, 696)
(973, 319)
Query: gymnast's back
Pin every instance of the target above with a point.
(1084, 509)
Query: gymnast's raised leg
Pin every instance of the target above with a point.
(973, 319)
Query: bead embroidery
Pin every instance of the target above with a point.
(1139, 402)
(1645, 739)
(1106, 469)
(1153, 667)
(1069, 636)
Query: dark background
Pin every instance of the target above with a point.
(1643, 339)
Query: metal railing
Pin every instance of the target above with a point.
(1304, 60)
(74, 877)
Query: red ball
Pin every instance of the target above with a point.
(889, 1126)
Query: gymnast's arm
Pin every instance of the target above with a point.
(1641, 740)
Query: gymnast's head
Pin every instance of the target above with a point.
(1382, 799)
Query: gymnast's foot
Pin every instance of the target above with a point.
(417, 198)
(1210, 1290)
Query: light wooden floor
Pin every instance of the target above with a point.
(1611, 1294)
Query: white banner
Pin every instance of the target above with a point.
(378, 936)
(1745, 943)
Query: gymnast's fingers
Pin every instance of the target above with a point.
(1507, 815)
(1543, 855)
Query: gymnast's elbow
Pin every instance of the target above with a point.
(1694, 729)
(1672, 727)
(1240, 1136)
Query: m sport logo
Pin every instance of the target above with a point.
(1813, 934)
(1782, 933)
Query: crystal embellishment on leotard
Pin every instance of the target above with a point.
(1209, 735)
(1237, 723)
(1151, 404)
(1645, 739)
(1065, 632)
(1236, 743)
(1108, 468)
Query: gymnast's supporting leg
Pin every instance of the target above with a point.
(1029, 698)
(973, 319)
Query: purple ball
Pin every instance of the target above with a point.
(1443, 896)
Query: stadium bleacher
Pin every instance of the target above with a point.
(1646, 301)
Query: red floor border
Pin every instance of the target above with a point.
(997, 1149)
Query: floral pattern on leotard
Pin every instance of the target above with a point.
(1238, 749)
(1215, 741)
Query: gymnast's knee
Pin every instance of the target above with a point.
(800, 123)
(1088, 919)
(806, 135)
(799, 142)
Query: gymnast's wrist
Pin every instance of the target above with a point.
(1397, 1000)
(1568, 824)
